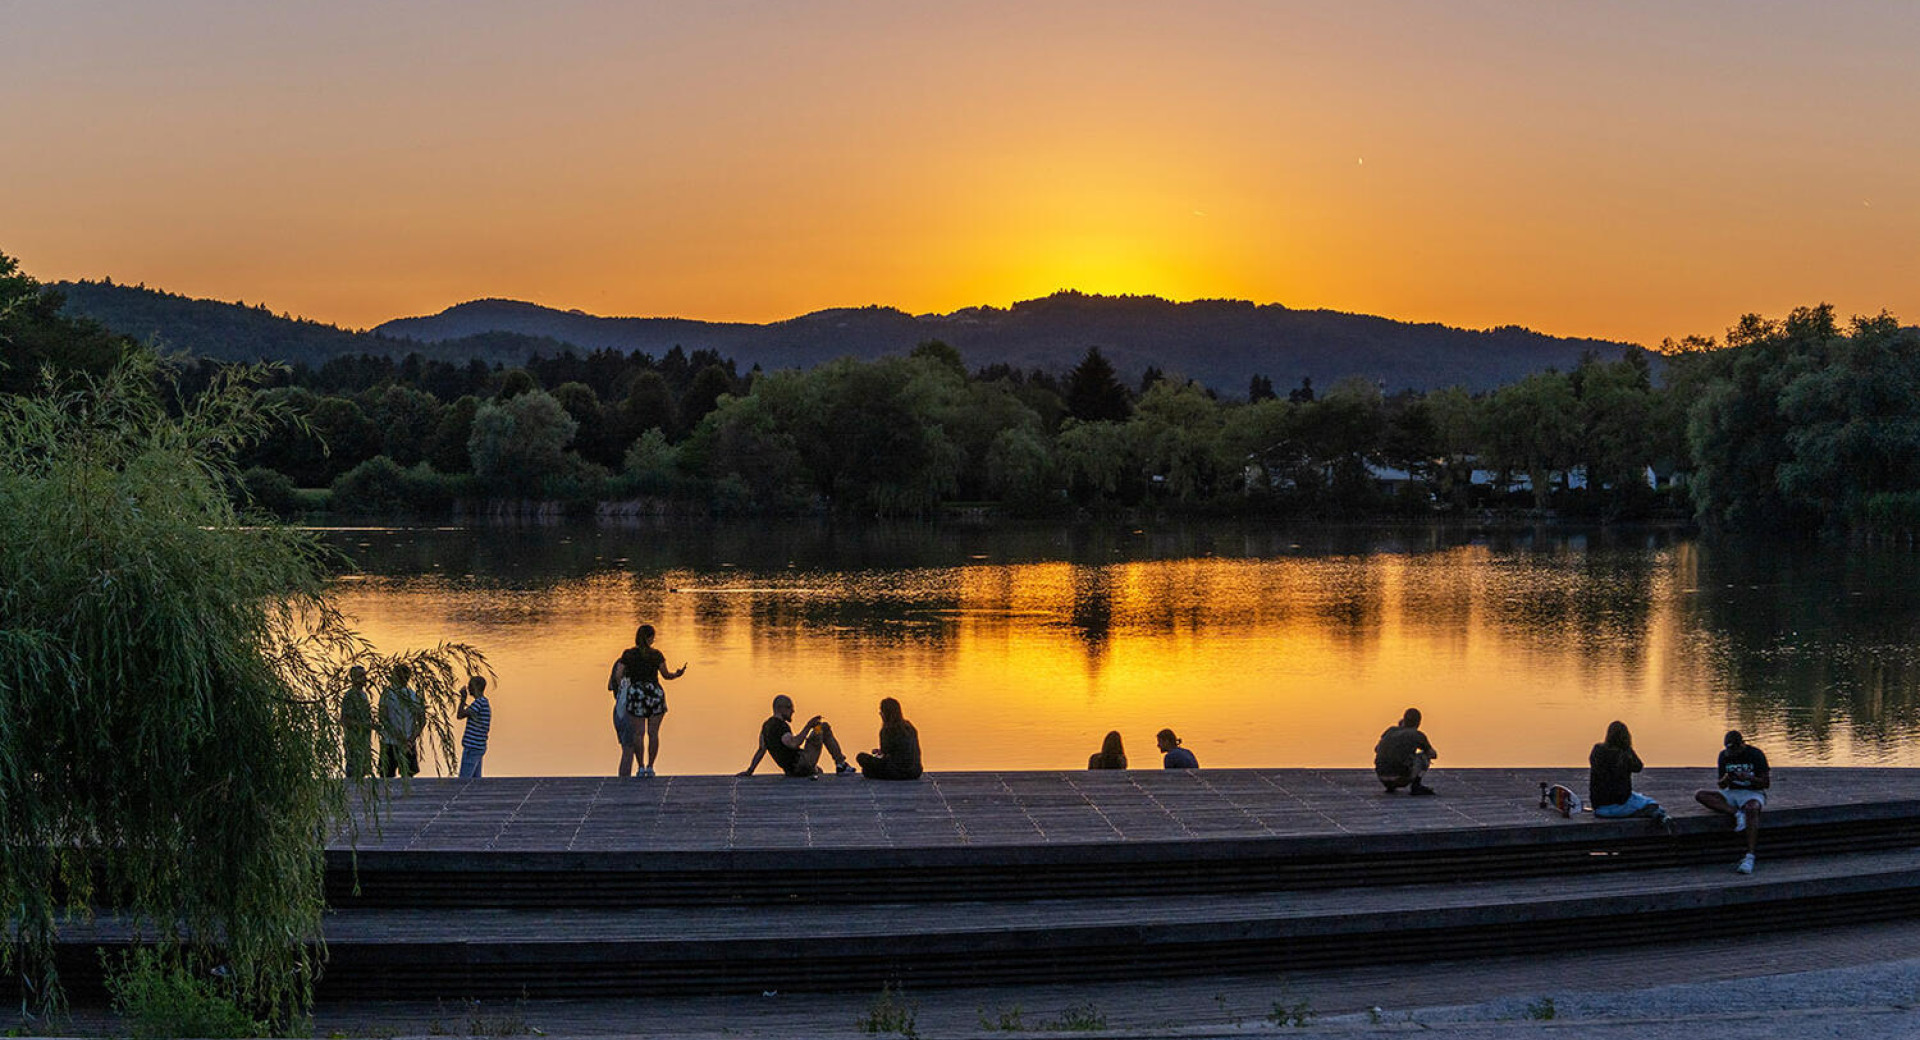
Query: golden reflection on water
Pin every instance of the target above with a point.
(1515, 658)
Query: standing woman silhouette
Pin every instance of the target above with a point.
(637, 677)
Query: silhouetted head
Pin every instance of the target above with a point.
(401, 673)
(1111, 747)
(478, 684)
(1618, 737)
(783, 706)
(890, 710)
(357, 675)
(643, 636)
(1411, 719)
(1166, 740)
(1734, 739)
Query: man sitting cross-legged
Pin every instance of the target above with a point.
(797, 754)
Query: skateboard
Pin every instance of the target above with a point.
(1559, 798)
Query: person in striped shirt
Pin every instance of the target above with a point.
(479, 715)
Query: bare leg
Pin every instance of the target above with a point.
(653, 737)
(809, 754)
(833, 745)
(1752, 811)
(1714, 801)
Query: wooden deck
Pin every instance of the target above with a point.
(677, 886)
(1028, 809)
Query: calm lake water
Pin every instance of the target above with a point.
(1019, 648)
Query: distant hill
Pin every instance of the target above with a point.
(1219, 342)
(247, 332)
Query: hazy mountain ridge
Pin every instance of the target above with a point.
(1219, 342)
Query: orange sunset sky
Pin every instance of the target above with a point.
(1625, 170)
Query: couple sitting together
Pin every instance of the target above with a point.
(798, 754)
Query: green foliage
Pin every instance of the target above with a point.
(270, 490)
(1894, 511)
(36, 336)
(1541, 1010)
(156, 996)
(890, 1012)
(1532, 427)
(1298, 1014)
(1797, 424)
(651, 463)
(1094, 391)
(474, 1019)
(518, 442)
(376, 487)
(1009, 1020)
(1084, 1017)
(407, 419)
(168, 688)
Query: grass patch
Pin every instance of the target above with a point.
(159, 998)
(1080, 1018)
(1298, 1014)
(891, 1012)
(1008, 1021)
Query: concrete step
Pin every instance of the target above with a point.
(451, 877)
(753, 948)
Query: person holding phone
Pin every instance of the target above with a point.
(797, 754)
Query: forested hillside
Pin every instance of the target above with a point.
(1223, 344)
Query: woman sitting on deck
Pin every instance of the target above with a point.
(1111, 755)
(1610, 780)
(898, 756)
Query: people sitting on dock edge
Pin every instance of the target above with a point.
(403, 718)
(356, 724)
(478, 711)
(1744, 780)
(1611, 766)
(1403, 754)
(1112, 755)
(636, 682)
(898, 756)
(1177, 757)
(797, 754)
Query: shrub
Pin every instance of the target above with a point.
(1894, 511)
(376, 487)
(890, 1013)
(270, 490)
(162, 999)
(131, 590)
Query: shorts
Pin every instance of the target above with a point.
(643, 700)
(1738, 797)
(1637, 804)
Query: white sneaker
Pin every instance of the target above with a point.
(1746, 864)
(646, 771)
(1739, 822)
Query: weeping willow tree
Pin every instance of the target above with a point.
(170, 749)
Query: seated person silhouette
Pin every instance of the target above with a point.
(898, 756)
(797, 754)
(1111, 754)
(1401, 757)
(1177, 757)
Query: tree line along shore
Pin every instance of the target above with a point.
(1805, 424)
